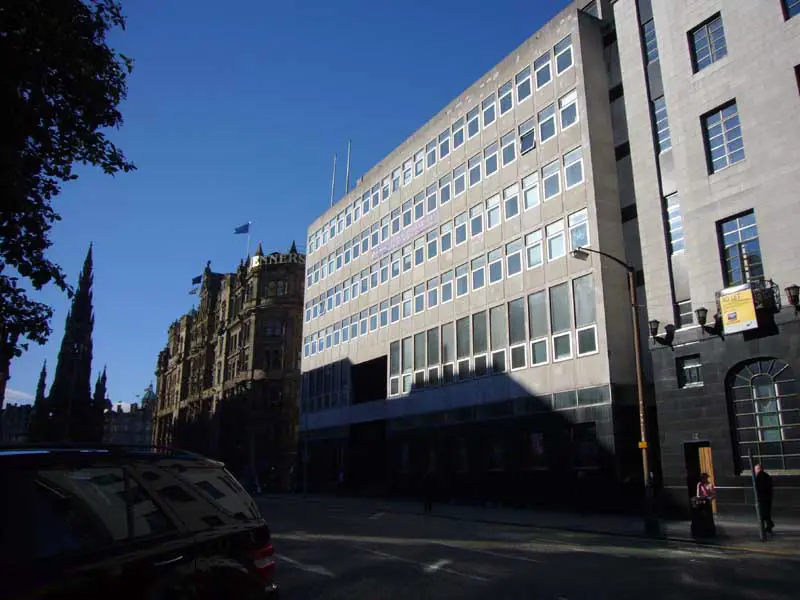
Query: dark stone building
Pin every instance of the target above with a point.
(228, 381)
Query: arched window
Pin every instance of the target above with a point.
(766, 411)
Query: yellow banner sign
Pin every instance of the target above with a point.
(738, 310)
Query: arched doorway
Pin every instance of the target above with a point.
(766, 413)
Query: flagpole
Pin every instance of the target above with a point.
(247, 251)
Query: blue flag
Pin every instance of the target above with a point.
(193, 291)
(242, 228)
(197, 280)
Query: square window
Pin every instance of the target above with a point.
(587, 340)
(707, 42)
(689, 370)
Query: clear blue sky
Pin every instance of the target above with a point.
(233, 114)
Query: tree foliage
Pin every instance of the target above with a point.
(60, 88)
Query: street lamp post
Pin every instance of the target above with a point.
(651, 523)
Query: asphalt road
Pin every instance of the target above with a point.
(334, 552)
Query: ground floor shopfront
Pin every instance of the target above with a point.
(722, 398)
(511, 453)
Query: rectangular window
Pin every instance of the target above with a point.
(480, 342)
(517, 334)
(463, 347)
(447, 286)
(407, 252)
(475, 220)
(460, 179)
(490, 159)
(498, 337)
(523, 82)
(675, 222)
(579, 229)
(514, 257)
(407, 303)
(433, 346)
(363, 322)
(376, 195)
(707, 42)
(508, 148)
(373, 276)
(394, 308)
(433, 244)
(538, 327)
(493, 216)
(527, 136)
(419, 163)
(430, 194)
(489, 110)
(650, 42)
(495, 265)
(555, 240)
(408, 168)
(364, 281)
(563, 52)
(385, 228)
(533, 249)
(446, 236)
(430, 154)
(458, 133)
(573, 168)
(406, 208)
(419, 206)
(741, 251)
(385, 189)
(474, 166)
(419, 251)
(444, 190)
(568, 109)
(419, 351)
(530, 191)
(395, 264)
(374, 235)
(511, 201)
(365, 203)
(407, 362)
(448, 352)
(462, 280)
(542, 71)
(663, 138)
(419, 298)
(433, 292)
(473, 122)
(444, 143)
(384, 313)
(585, 306)
(478, 272)
(560, 322)
(547, 123)
(395, 221)
(723, 137)
(461, 228)
(373, 318)
(506, 97)
(551, 178)
(689, 370)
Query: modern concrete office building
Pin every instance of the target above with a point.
(712, 87)
(448, 327)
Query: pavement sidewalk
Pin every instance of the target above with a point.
(732, 534)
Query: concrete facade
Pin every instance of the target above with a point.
(685, 200)
(364, 383)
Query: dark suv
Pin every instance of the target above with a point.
(125, 523)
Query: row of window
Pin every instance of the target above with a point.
(545, 243)
(468, 224)
(467, 127)
(519, 334)
(382, 235)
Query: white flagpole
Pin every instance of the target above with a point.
(247, 250)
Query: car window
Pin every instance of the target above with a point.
(74, 510)
(222, 489)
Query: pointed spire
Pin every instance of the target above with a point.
(259, 251)
(40, 387)
(293, 249)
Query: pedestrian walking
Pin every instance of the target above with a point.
(703, 509)
(764, 497)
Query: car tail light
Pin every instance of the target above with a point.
(264, 561)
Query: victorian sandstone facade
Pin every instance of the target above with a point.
(228, 380)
